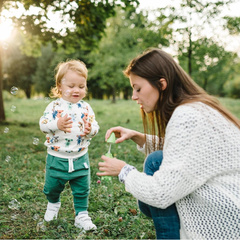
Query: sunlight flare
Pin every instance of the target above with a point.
(5, 30)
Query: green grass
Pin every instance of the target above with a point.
(22, 176)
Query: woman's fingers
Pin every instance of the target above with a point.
(110, 166)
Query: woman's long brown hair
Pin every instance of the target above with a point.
(155, 64)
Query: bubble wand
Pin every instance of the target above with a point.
(110, 140)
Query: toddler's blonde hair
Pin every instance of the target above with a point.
(62, 68)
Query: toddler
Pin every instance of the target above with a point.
(69, 124)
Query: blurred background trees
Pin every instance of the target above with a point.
(106, 35)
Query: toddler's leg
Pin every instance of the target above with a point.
(80, 190)
(166, 221)
(52, 189)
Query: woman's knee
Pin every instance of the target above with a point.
(144, 208)
(153, 162)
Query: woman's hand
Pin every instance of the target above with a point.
(110, 166)
(123, 134)
(65, 123)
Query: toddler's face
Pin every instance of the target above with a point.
(73, 87)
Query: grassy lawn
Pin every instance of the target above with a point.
(22, 203)
(23, 153)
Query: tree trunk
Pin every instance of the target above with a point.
(205, 83)
(114, 95)
(28, 92)
(2, 113)
(126, 93)
(190, 54)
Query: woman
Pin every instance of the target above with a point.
(200, 170)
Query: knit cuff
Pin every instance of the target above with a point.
(124, 172)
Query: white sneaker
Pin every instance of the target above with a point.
(85, 222)
(52, 211)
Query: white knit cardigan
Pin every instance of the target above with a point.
(200, 172)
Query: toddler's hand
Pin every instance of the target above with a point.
(65, 123)
(87, 128)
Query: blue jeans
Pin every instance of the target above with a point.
(166, 221)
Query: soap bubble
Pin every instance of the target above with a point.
(13, 108)
(35, 217)
(14, 204)
(60, 228)
(8, 158)
(13, 217)
(67, 93)
(35, 141)
(6, 130)
(14, 90)
(41, 227)
(47, 99)
(82, 235)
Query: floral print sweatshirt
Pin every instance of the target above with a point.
(63, 144)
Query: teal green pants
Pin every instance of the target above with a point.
(57, 176)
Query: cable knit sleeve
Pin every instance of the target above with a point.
(192, 154)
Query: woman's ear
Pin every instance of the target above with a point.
(163, 83)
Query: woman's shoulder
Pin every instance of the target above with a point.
(194, 108)
(194, 113)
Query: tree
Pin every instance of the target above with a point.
(193, 20)
(18, 67)
(127, 34)
(43, 78)
(212, 65)
(20, 71)
(88, 18)
(233, 25)
(232, 86)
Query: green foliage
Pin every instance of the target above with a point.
(199, 50)
(127, 34)
(233, 25)
(18, 68)
(211, 66)
(232, 88)
(87, 17)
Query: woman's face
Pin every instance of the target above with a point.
(144, 93)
